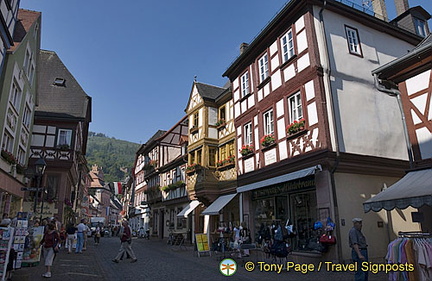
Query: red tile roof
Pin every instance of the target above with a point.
(26, 18)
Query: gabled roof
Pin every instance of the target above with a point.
(209, 91)
(25, 21)
(66, 99)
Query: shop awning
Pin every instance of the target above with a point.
(284, 178)
(218, 204)
(188, 209)
(414, 189)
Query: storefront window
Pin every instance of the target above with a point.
(303, 209)
(275, 205)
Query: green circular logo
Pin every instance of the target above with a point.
(228, 267)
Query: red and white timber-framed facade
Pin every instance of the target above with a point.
(303, 107)
(412, 74)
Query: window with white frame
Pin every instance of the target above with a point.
(268, 122)
(27, 116)
(247, 131)
(7, 143)
(353, 40)
(245, 84)
(27, 57)
(64, 137)
(295, 107)
(21, 156)
(287, 44)
(263, 68)
(15, 96)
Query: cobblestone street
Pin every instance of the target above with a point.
(158, 261)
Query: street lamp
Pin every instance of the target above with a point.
(40, 166)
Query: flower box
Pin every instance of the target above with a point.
(296, 126)
(230, 161)
(192, 168)
(8, 157)
(220, 124)
(246, 149)
(267, 140)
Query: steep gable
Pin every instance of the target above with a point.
(59, 92)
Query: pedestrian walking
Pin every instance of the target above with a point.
(126, 241)
(359, 253)
(81, 230)
(50, 243)
(71, 234)
(97, 235)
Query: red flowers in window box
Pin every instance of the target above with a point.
(228, 161)
(296, 126)
(267, 140)
(246, 149)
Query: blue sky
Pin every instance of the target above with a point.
(138, 60)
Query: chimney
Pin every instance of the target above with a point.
(379, 9)
(401, 6)
(243, 47)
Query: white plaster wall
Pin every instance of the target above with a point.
(276, 80)
(362, 112)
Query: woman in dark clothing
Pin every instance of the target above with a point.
(50, 243)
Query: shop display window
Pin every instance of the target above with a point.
(303, 210)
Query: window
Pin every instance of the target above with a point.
(199, 157)
(295, 107)
(247, 131)
(222, 113)
(268, 122)
(60, 82)
(263, 68)
(7, 142)
(196, 119)
(245, 84)
(287, 46)
(27, 116)
(420, 27)
(21, 156)
(15, 97)
(212, 157)
(64, 137)
(226, 150)
(27, 61)
(353, 40)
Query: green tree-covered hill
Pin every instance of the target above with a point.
(116, 157)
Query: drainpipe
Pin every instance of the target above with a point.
(396, 93)
(328, 89)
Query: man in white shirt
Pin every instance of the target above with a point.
(81, 229)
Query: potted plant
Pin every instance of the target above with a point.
(226, 162)
(192, 168)
(246, 149)
(220, 123)
(296, 126)
(267, 140)
(63, 147)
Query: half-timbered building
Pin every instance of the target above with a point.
(61, 124)
(211, 171)
(160, 182)
(315, 138)
(412, 74)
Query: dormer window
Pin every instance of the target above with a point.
(420, 27)
(60, 82)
